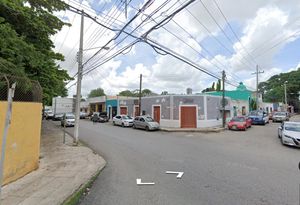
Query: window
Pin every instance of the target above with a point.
(142, 120)
(137, 119)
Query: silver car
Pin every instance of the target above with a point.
(145, 122)
(123, 120)
(289, 133)
(68, 120)
(280, 117)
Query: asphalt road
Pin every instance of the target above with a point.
(228, 168)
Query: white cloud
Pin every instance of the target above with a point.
(262, 24)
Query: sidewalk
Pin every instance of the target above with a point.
(63, 170)
(204, 130)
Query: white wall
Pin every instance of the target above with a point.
(200, 123)
(239, 105)
(62, 105)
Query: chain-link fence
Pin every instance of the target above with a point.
(26, 90)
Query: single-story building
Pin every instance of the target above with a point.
(97, 104)
(240, 99)
(185, 111)
(121, 105)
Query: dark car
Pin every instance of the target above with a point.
(57, 117)
(100, 117)
(103, 117)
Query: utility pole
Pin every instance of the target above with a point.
(285, 96)
(257, 73)
(223, 99)
(140, 95)
(79, 77)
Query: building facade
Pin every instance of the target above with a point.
(179, 111)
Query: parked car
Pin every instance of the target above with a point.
(123, 120)
(289, 133)
(280, 117)
(68, 120)
(258, 117)
(145, 122)
(95, 116)
(83, 115)
(49, 115)
(239, 123)
(57, 117)
(99, 117)
(103, 117)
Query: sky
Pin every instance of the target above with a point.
(213, 35)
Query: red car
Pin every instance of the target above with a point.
(239, 123)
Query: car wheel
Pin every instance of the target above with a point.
(147, 128)
(114, 123)
(123, 125)
(133, 126)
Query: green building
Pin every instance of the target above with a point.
(241, 98)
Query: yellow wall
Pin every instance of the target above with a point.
(23, 140)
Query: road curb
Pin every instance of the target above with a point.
(83, 189)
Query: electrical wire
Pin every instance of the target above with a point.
(234, 33)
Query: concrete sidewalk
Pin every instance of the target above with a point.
(204, 130)
(63, 170)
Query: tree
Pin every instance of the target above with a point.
(136, 93)
(212, 88)
(96, 93)
(147, 92)
(127, 93)
(26, 48)
(273, 89)
(218, 88)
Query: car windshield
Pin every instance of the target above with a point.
(149, 119)
(280, 114)
(238, 119)
(292, 127)
(126, 117)
(255, 113)
(70, 117)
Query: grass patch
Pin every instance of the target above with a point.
(77, 195)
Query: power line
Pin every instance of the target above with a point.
(234, 33)
(219, 26)
(123, 29)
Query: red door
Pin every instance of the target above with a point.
(136, 111)
(123, 110)
(156, 113)
(188, 117)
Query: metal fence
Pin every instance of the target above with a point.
(26, 90)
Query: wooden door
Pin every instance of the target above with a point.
(136, 111)
(156, 113)
(188, 117)
(123, 110)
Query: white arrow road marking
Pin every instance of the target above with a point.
(179, 174)
(139, 182)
